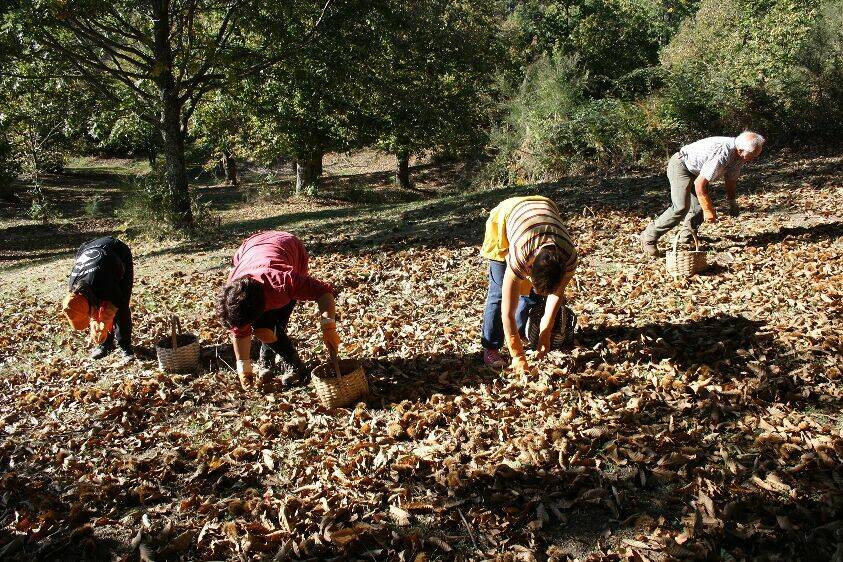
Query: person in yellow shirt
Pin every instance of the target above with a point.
(532, 257)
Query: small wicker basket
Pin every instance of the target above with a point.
(178, 353)
(563, 330)
(340, 391)
(682, 264)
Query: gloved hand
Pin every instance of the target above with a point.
(519, 358)
(98, 331)
(544, 343)
(734, 210)
(245, 374)
(520, 366)
(330, 336)
(102, 321)
(709, 214)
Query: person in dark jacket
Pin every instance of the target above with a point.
(99, 290)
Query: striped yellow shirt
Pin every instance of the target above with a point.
(521, 226)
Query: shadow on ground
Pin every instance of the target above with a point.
(417, 379)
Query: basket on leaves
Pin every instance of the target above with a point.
(340, 383)
(682, 264)
(562, 334)
(178, 353)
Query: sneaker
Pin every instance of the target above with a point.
(493, 358)
(126, 351)
(648, 246)
(102, 350)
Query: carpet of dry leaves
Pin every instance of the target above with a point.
(690, 421)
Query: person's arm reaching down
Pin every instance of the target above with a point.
(327, 321)
(509, 301)
(701, 188)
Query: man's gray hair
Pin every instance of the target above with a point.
(749, 141)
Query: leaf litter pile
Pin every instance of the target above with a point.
(689, 421)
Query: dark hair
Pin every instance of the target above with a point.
(547, 270)
(241, 302)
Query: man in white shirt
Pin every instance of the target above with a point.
(690, 171)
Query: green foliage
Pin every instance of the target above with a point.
(310, 102)
(223, 123)
(767, 64)
(94, 206)
(41, 208)
(147, 208)
(554, 127)
(9, 167)
(434, 65)
(612, 39)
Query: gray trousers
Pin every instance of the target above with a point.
(684, 205)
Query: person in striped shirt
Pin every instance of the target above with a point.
(531, 260)
(690, 172)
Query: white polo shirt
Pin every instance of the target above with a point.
(713, 158)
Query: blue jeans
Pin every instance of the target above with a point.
(492, 337)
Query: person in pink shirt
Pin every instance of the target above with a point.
(268, 275)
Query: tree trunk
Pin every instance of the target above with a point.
(181, 214)
(306, 177)
(308, 172)
(402, 172)
(229, 164)
(171, 119)
(294, 164)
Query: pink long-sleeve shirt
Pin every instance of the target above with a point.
(278, 261)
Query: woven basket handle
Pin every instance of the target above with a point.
(693, 236)
(696, 241)
(332, 356)
(175, 329)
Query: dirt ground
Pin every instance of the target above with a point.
(697, 420)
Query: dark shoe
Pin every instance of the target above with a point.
(293, 376)
(648, 246)
(266, 359)
(102, 350)
(289, 363)
(125, 351)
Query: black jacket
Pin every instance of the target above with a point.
(103, 271)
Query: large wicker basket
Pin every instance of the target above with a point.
(682, 264)
(562, 334)
(340, 391)
(178, 353)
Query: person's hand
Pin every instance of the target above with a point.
(245, 374)
(709, 215)
(330, 336)
(102, 321)
(734, 210)
(519, 365)
(519, 358)
(543, 347)
(98, 331)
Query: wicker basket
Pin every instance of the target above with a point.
(178, 353)
(682, 264)
(562, 334)
(339, 391)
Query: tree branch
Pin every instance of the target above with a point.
(304, 41)
(222, 37)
